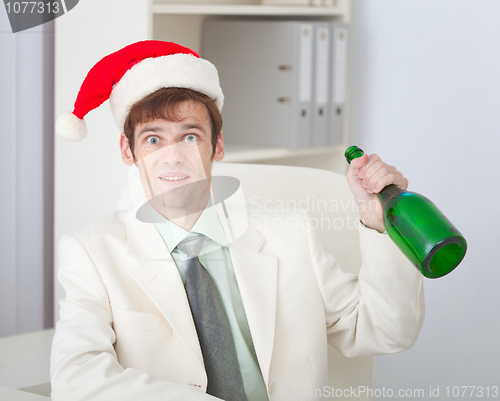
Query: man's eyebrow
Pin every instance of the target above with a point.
(148, 128)
(192, 125)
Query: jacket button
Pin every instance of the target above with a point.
(272, 388)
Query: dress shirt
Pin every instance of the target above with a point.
(214, 256)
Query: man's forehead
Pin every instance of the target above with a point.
(190, 105)
(187, 115)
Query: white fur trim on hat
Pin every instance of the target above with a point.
(70, 127)
(176, 70)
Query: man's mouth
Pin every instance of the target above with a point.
(174, 178)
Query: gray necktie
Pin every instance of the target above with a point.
(214, 333)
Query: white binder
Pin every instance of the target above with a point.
(340, 47)
(322, 83)
(266, 73)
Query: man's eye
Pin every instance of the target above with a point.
(191, 138)
(153, 140)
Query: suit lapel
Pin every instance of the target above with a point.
(257, 277)
(159, 278)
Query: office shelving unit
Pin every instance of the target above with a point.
(183, 21)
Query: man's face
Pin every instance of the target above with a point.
(174, 159)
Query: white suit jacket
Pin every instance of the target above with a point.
(126, 331)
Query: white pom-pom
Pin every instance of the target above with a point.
(70, 127)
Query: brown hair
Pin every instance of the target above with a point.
(162, 104)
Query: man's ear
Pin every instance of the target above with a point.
(126, 152)
(220, 151)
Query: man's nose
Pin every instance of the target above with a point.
(172, 154)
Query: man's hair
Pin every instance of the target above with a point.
(163, 104)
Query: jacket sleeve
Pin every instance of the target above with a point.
(84, 365)
(379, 312)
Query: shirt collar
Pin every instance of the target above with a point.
(207, 224)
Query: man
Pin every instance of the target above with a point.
(142, 319)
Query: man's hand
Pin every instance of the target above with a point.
(367, 176)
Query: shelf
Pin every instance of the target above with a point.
(247, 10)
(237, 153)
(174, 20)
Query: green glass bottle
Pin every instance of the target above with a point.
(427, 238)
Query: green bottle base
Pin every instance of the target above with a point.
(421, 231)
(444, 257)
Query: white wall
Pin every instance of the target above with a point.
(26, 177)
(425, 93)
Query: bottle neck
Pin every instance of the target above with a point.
(353, 152)
(389, 193)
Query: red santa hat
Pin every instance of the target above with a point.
(131, 74)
